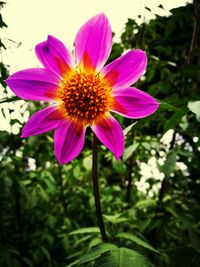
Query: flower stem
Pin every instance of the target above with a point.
(96, 190)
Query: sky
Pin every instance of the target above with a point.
(30, 21)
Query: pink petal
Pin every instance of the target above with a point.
(68, 141)
(133, 103)
(126, 70)
(34, 84)
(110, 134)
(42, 121)
(54, 55)
(93, 42)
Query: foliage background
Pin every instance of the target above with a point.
(47, 214)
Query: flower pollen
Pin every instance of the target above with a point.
(85, 97)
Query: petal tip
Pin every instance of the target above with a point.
(117, 157)
(110, 133)
(134, 103)
(101, 15)
(50, 38)
(23, 135)
(5, 81)
(157, 104)
(66, 161)
(60, 162)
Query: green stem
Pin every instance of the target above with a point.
(96, 190)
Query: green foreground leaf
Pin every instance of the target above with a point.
(107, 255)
(86, 230)
(122, 257)
(137, 240)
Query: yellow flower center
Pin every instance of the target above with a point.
(85, 97)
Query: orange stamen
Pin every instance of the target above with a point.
(85, 97)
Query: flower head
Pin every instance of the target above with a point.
(83, 91)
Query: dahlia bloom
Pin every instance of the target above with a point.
(83, 92)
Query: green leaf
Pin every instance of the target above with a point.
(137, 240)
(107, 255)
(28, 262)
(150, 74)
(174, 120)
(185, 153)
(169, 164)
(161, 6)
(127, 129)
(3, 70)
(87, 230)
(13, 121)
(170, 27)
(172, 211)
(93, 254)
(147, 8)
(167, 106)
(2, 3)
(115, 218)
(43, 194)
(96, 252)
(87, 162)
(11, 99)
(74, 263)
(2, 23)
(145, 203)
(129, 151)
(122, 257)
(195, 108)
(46, 253)
(194, 238)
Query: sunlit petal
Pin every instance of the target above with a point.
(68, 141)
(93, 42)
(54, 55)
(34, 84)
(125, 70)
(110, 133)
(133, 103)
(42, 121)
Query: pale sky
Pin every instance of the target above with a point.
(30, 21)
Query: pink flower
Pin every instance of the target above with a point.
(84, 92)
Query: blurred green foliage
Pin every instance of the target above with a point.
(47, 213)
